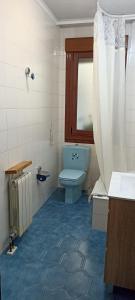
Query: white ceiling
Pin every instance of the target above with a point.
(72, 9)
(118, 6)
(84, 10)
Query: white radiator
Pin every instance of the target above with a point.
(20, 203)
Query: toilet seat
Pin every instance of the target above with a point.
(72, 176)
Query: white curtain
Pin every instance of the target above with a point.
(109, 100)
(130, 96)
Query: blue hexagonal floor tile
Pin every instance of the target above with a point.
(78, 284)
(60, 294)
(72, 262)
(54, 278)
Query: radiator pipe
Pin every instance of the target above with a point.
(12, 237)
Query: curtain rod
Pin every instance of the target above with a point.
(126, 17)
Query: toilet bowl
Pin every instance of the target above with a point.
(72, 177)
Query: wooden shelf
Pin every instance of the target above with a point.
(19, 167)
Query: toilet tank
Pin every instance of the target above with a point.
(76, 157)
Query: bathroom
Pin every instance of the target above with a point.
(32, 128)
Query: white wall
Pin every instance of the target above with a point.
(28, 37)
(73, 32)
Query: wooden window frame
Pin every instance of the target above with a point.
(76, 48)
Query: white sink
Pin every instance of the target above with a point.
(122, 185)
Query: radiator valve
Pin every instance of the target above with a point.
(12, 247)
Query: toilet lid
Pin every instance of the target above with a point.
(69, 174)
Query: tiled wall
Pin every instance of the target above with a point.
(72, 32)
(28, 37)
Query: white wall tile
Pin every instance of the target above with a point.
(3, 141)
(3, 161)
(26, 105)
(3, 120)
(12, 138)
(12, 118)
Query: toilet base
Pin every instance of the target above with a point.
(72, 194)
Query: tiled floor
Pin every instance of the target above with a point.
(59, 258)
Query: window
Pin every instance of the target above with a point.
(79, 90)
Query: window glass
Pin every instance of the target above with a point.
(85, 94)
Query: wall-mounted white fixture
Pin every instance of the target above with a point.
(29, 74)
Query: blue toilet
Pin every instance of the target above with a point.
(76, 162)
